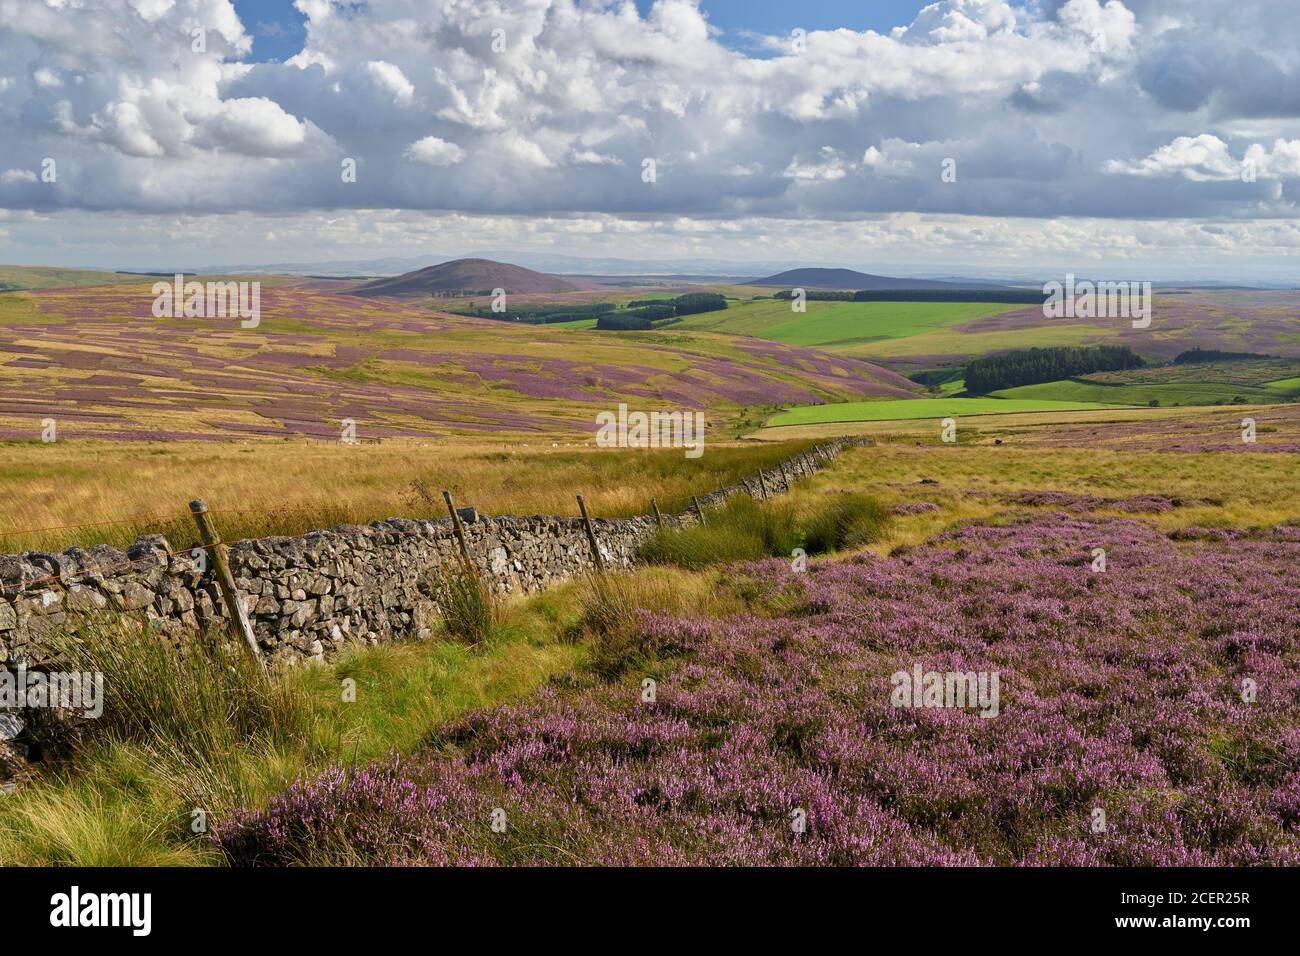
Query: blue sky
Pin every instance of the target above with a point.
(277, 28)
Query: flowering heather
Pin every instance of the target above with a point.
(1120, 690)
(1068, 501)
(1202, 431)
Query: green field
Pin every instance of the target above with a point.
(573, 324)
(855, 328)
(1076, 390)
(1202, 384)
(1287, 386)
(901, 409)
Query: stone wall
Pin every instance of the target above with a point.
(312, 595)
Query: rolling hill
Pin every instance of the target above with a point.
(851, 279)
(465, 276)
(98, 361)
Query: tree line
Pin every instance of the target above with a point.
(1034, 366)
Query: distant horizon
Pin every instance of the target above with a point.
(699, 269)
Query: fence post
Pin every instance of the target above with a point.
(659, 519)
(239, 622)
(699, 512)
(784, 477)
(459, 528)
(762, 484)
(591, 536)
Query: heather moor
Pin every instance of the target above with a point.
(652, 433)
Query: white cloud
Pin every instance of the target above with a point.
(827, 166)
(524, 150)
(435, 152)
(1206, 158)
(256, 126)
(589, 157)
(393, 80)
(17, 176)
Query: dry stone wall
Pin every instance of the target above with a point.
(313, 595)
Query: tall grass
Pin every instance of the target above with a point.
(192, 708)
(747, 530)
(89, 492)
(471, 610)
(844, 521)
(741, 530)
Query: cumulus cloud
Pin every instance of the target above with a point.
(393, 80)
(551, 107)
(435, 152)
(1206, 158)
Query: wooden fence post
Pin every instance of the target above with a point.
(591, 536)
(762, 484)
(659, 519)
(699, 512)
(239, 622)
(460, 529)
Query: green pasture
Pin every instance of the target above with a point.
(900, 409)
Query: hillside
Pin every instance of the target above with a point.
(851, 279)
(99, 362)
(465, 276)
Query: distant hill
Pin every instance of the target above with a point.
(849, 279)
(466, 276)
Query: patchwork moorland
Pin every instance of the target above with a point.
(1121, 684)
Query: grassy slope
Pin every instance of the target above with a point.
(918, 408)
(538, 379)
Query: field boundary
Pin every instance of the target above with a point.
(313, 595)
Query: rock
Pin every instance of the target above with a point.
(11, 725)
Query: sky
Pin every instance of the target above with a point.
(1136, 138)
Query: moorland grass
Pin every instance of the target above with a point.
(86, 493)
(744, 529)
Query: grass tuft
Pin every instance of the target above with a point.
(845, 521)
(471, 610)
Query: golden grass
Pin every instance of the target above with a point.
(1254, 490)
(260, 488)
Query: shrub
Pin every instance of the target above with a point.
(845, 521)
